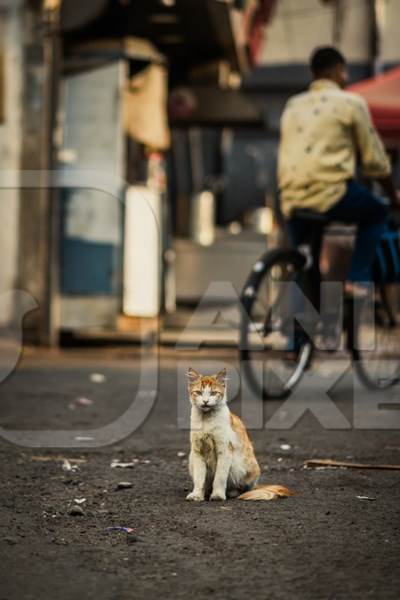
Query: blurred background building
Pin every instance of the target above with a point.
(138, 146)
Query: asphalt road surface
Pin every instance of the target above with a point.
(324, 543)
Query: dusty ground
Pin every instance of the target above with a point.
(323, 543)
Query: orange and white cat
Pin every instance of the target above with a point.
(222, 462)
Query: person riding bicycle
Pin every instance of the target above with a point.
(323, 132)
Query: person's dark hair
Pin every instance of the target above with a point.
(325, 58)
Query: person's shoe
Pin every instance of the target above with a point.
(356, 290)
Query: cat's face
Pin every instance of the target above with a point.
(207, 392)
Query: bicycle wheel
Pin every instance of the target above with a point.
(267, 326)
(376, 342)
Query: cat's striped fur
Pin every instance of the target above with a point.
(222, 462)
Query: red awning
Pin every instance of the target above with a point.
(383, 96)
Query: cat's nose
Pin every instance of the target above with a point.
(205, 402)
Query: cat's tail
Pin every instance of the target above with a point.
(267, 492)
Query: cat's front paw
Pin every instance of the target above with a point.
(195, 497)
(218, 495)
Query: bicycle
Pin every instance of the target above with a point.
(369, 328)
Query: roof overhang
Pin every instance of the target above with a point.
(187, 32)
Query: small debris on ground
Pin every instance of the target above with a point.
(98, 378)
(56, 458)
(124, 529)
(79, 500)
(76, 511)
(181, 454)
(84, 438)
(66, 466)
(322, 468)
(124, 485)
(117, 464)
(285, 447)
(327, 462)
(365, 498)
(78, 402)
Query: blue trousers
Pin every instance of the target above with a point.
(360, 207)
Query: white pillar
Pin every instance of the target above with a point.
(142, 253)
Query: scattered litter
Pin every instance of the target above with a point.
(117, 464)
(125, 529)
(124, 485)
(280, 459)
(285, 447)
(365, 498)
(76, 511)
(181, 454)
(56, 458)
(225, 508)
(322, 468)
(84, 438)
(80, 402)
(66, 466)
(327, 462)
(98, 378)
(79, 500)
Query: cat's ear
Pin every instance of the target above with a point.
(192, 375)
(221, 376)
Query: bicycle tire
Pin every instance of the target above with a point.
(384, 319)
(258, 274)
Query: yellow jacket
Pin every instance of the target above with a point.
(323, 131)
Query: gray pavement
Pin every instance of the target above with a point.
(325, 542)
